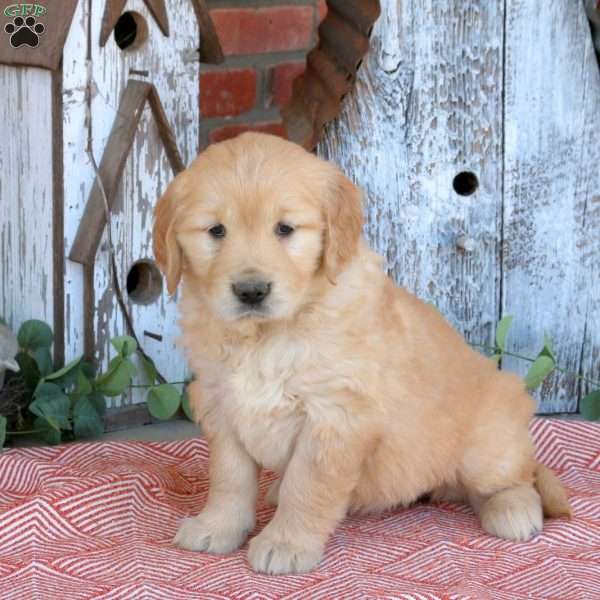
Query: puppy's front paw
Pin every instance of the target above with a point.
(277, 554)
(210, 534)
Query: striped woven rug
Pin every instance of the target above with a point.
(96, 521)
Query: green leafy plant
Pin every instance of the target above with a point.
(70, 403)
(541, 367)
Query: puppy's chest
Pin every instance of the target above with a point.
(266, 404)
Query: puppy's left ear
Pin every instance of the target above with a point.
(166, 248)
(343, 225)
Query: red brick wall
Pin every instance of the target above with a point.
(265, 43)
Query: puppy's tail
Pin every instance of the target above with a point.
(554, 496)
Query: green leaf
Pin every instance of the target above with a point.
(34, 334)
(131, 367)
(185, 405)
(86, 420)
(43, 359)
(66, 369)
(84, 385)
(47, 432)
(2, 430)
(149, 369)
(163, 401)
(539, 370)
(125, 345)
(117, 378)
(29, 369)
(548, 350)
(99, 402)
(590, 406)
(88, 370)
(502, 331)
(52, 404)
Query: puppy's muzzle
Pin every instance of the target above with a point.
(251, 292)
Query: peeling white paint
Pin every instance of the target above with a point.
(26, 270)
(428, 104)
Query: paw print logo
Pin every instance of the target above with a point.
(24, 32)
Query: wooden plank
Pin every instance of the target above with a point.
(40, 43)
(113, 160)
(403, 135)
(58, 200)
(78, 175)
(147, 172)
(590, 248)
(26, 186)
(551, 253)
(110, 170)
(167, 137)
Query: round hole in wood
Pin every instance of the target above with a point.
(131, 30)
(465, 183)
(144, 282)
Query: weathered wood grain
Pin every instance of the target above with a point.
(146, 174)
(78, 173)
(427, 105)
(551, 251)
(172, 66)
(110, 169)
(26, 258)
(58, 210)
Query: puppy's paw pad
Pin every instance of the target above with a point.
(206, 535)
(267, 554)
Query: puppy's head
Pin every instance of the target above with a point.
(253, 222)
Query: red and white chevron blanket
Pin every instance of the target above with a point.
(96, 521)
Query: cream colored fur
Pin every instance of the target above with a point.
(360, 396)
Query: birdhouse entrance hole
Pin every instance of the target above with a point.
(465, 183)
(131, 30)
(144, 282)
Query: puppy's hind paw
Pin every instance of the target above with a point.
(513, 514)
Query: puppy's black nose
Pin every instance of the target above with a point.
(251, 292)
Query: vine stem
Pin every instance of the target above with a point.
(532, 360)
(24, 432)
(149, 385)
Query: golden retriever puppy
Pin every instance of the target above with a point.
(309, 361)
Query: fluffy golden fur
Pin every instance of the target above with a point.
(360, 396)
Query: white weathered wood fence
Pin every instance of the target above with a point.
(510, 91)
(42, 197)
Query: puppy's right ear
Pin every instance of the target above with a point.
(166, 248)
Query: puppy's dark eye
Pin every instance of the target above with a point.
(218, 231)
(283, 230)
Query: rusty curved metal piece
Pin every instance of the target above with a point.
(330, 69)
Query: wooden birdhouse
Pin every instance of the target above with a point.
(99, 110)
